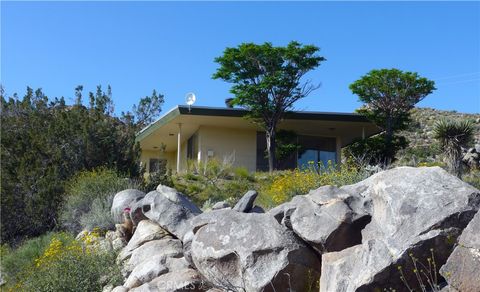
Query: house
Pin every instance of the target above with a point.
(202, 133)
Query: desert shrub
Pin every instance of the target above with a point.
(283, 186)
(473, 178)
(66, 264)
(16, 260)
(99, 215)
(374, 150)
(87, 189)
(214, 181)
(162, 176)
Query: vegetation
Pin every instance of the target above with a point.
(452, 136)
(389, 95)
(214, 181)
(58, 262)
(88, 199)
(45, 142)
(268, 81)
(283, 186)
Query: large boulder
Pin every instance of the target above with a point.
(329, 218)
(250, 252)
(413, 212)
(177, 281)
(160, 248)
(170, 209)
(124, 199)
(146, 230)
(462, 269)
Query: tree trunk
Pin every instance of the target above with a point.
(271, 145)
(389, 153)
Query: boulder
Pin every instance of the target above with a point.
(413, 212)
(162, 247)
(154, 267)
(183, 280)
(245, 204)
(170, 209)
(124, 199)
(220, 205)
(329, 218)
(250, 252)
(146, 231)
(462, 268)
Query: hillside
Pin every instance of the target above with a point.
(422, 146)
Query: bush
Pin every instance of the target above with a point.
(91, 191)
(473, 178)
(214, 181)
(283, 186)
(14, 261)
(65, 265)
(374, 150)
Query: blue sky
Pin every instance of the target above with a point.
(170, 46)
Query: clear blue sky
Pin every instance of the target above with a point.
(136, 47)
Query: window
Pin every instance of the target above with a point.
(316, 151)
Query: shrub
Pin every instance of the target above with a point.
(14, 261)
(283, 186)
(87, 189)
(214, 181)
(374, 150)
(68, 265)
(473, 178)
(162, 176)
(453, 135)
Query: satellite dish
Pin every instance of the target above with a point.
(190, 99)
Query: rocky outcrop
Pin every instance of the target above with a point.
(463, 266)
(369, 236)
(124, 199)
(250, 252)
(412, 211)
(170, 209)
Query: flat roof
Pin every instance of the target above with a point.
(237, 112)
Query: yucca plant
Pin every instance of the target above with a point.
(453, 135)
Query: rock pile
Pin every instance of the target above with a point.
(369, 236)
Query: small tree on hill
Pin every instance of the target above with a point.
(267, 81)
(453, 136)
(389, 95)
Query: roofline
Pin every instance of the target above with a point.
(236, 112)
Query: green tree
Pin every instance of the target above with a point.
(45, 142)
(268, 81)
(148, 109)
(388, 96)
(453, 135)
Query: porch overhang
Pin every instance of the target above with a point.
(345, 126)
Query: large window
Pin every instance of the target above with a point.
(316, 151)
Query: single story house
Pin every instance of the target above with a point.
(201, 133)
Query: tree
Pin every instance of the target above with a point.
(452, 136)
(268, 81)
(389, 95)
(45, 142)
(148, 109)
